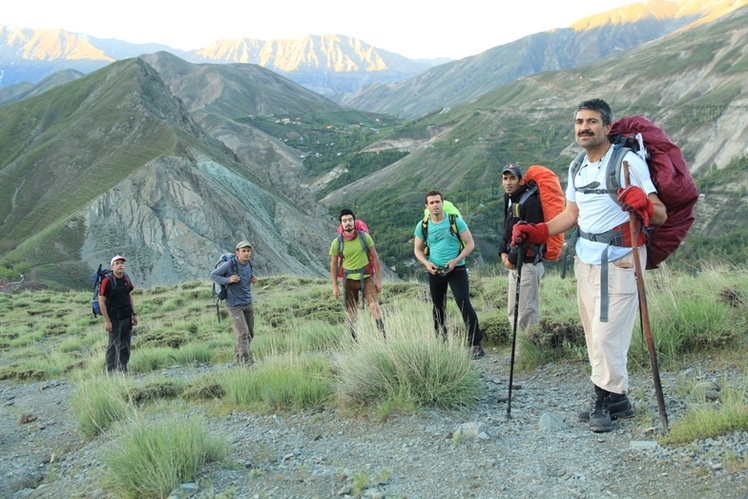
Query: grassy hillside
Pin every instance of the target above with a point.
(47, 335)
(62, 149)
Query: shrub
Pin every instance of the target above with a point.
(150, 458)
(99, 402)
(290, 382)
(556, 332)
(412, 368)
(496, 330)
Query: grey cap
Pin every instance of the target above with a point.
(513, 169)
(243, 244)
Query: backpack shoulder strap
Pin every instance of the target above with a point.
(340, 246)
(531, 189)
(455, 231)
(615, 164)
(575, 166)
(425, 227)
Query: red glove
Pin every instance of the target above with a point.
(532, 233)
(634, 199)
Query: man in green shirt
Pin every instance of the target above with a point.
(354, 249)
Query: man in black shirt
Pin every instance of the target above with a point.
(521, 204)
(118, 309)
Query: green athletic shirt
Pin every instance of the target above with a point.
(353, 254)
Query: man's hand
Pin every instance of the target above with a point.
(506, 262)
(531, 233)
(634, 199)
(234, 279)
(108, 326)
(336, 291)
(431, 268)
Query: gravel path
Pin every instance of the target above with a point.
(542, 451)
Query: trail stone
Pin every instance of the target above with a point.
(551, 422)
(644, 444)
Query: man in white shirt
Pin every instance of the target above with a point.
(607, 309)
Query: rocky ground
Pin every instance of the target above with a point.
(542, 451)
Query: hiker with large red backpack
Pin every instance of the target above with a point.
(354, 259)
(521, 203)
(599, 201)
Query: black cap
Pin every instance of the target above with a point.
(513, 169)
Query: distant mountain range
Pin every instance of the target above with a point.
(114, 162)
(328, 64)
(171, 162)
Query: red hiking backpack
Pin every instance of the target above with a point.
(670, 175)
(543, 181)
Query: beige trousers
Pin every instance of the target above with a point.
(608, 342)
(528, 295)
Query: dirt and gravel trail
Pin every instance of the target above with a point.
(542, 451)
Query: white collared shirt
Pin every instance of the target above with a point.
(599, 213)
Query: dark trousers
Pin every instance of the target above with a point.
(118, 351)
(460, 286)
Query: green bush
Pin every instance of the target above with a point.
(290, 382)
(412, 368)
(151, 458)
(99, 402)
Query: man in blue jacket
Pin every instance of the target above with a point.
(236, 273)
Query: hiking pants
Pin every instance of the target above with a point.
(608, 342)
(528, 295)
(118, 350)
(243, 318)
(460, 286)
(352, 289)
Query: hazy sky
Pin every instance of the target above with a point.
(413, 28)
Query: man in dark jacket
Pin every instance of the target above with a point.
(522, 202)
(118, 310)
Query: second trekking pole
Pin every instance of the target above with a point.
(521, 249)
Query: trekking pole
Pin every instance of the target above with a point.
(522, 248)
(645, 312)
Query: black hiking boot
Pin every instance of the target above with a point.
(600, 421)
(477, 352)
(380, 326)
(619, 405)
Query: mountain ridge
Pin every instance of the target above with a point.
(594, 38)
(113, 162)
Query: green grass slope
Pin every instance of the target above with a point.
(62, 149)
